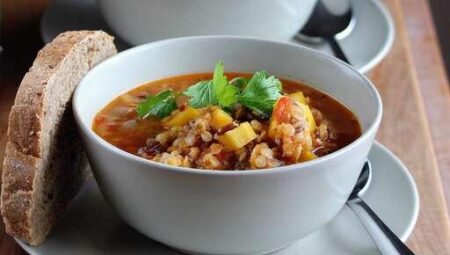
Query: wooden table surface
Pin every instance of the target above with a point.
(416, 122)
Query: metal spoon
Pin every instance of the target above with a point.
(387, 242)
(325, 23)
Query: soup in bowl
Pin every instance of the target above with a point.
(233, 121)
(245, 161)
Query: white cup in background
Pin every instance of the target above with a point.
(141, 21)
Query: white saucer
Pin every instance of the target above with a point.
(90, 227)
(366, 45)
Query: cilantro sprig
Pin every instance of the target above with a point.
(225, 92)
(201, 94)
(160, 105)
(259, 94)
(217, 91)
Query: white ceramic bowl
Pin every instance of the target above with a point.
(225, 212)
(142, 21)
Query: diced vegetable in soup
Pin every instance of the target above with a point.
(236, 121)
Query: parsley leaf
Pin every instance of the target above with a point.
(217, 91)
(160, 105)
(239, 82)
(220, 81)
(225, 93)
(201, 94)
(261, 93)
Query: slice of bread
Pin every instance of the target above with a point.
(44, 162)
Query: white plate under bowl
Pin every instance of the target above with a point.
(365, 46)
(90, 227)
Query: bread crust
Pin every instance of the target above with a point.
(34, 141)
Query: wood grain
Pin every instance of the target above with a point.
(412, 87)
(405, 131)
(434, 84)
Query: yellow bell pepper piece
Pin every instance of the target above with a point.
(238, 137)
(309, 117)
(272, 126)
(183, 117)
(280, 114)
(306, 156)
(299, 97)
(220, 119)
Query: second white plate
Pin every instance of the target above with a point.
(90, 227)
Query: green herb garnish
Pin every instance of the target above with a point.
(201, 94)
(261, 93)
(225, 92)
(239, 82)
(217, 91)
(160, 105)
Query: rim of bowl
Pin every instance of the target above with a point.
(298, 166)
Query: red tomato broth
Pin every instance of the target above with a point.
(119, 124)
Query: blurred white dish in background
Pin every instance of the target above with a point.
(142, 21)
(366, 45)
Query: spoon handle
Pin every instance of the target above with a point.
(387, 242)
(336, 48)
